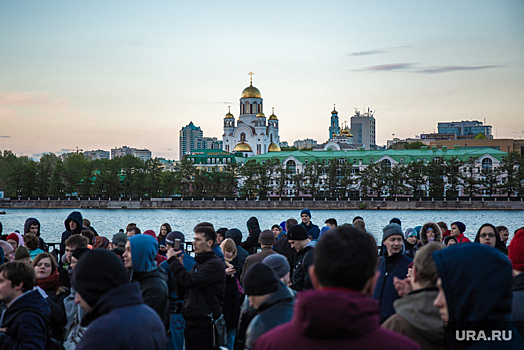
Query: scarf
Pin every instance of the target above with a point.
(50, 282)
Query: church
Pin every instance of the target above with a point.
(251, 134)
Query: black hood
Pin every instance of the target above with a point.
(76, 216)
(28, 224)
(235, 235)
(252, 224)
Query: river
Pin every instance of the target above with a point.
(107, 222)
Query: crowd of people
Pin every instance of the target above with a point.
(294, 285)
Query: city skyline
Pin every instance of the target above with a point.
(101, 75)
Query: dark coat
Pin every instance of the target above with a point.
(202, 288)
(154, 291)
(258, 257)
(242, 254)
(76, 216)
(392, 266)
(312, 230)
(283, 247)
(231, 307)
(121, 320)
(175, 303)
(333, 319)
(41, 244)
(301, 280)
(25, 320)
(251, 243)
(517, 307)
(275, 310)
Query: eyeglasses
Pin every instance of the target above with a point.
(484, 235)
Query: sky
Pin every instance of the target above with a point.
(104, 74)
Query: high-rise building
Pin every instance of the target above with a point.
(307, 143)
(209, 143)
(464, 128)
(363, 129)
(143, 154)
(189, 136)
(121, 152)
(98, 154)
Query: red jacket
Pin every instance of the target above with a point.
(333, 319)
(462, 239)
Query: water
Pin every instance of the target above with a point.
(107, 222)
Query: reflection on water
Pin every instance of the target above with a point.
(107, 222)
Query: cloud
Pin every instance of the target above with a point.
(6, 113)
(169, 149)
(24, 99)
(5, 137)
(376, 51)
(445, 69)
(388, 67)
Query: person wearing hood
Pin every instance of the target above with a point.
(73, 226)
(251, 243)
(32, 225)
(312, 230)
(299, 240)
(242, 254)
(457, 230)
(516, 256)
(115, 314)
(392, 264)
(177, 324)
(270, 297)
(488, 235)
(474, 296)
(410, 243)
(282, 245)
(24, 321)
(338, 313)
(415, 315)
(139, 258)
(430, 233)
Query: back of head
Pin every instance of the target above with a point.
(235, 235)
(143, 252)
(86, 223)
(19, 272)
(252, 223)
(443, 226)
(360, 225)
(278, 263)
(290, 222)
(267, 237)
(260, 279)
(171, 236)
(345, 257)
(357, 218)
(76, 241)
(88, 234)
(98, 272)
(425, 266)
(31, 241)
(119, 241)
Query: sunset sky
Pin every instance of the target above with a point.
(103, 74)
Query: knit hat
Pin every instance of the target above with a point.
(395, 221)
(100, 242)
(516, 251)
(460, 226)
(6, 247)
(13, 236)
(297, 233)
(21, 253)
(150, 233)
(96, 273)
(278, 263)
(170, 238)
(410, 232)
(418, 228)
(449, 238)
(391, 230)
(78, 252)
(119, 240)
(260, 279)
(306, 211)
(266, 237)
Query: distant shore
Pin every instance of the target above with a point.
(271, 203)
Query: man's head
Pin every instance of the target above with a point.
(88, 234)
(457, 228)
(260, 281)
(73, 225)
(31, 241)
(204, 240)
(297, 237)
(516, 252)
(305, 216)
(443, 226)
(133, 231)
(129, 227)
(16, 278)
(424, 270)
(119, 241)
(276, 229)
(72, 243)
(96, 273)
(203, 224)
(357, 218)
(289, 223)
(331, 223)
(392, 238)
(86, 223)
(140, 253)
(345, 257)
(32, 225)
(14, 240)
(360, 224)
(280, 265)
(266, 238)
(504, 233)
(171, 236)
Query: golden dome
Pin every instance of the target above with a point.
(273, 147)
(229, 116)
(346, 132)
(261, 115)
(334, 112)
(273, 116)
(251, 91)
(242, 147)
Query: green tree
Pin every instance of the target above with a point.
(511, 166)
(435, 172)
(469, 177)
(415, 179)
(452, 172)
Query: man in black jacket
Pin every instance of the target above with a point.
(202, 288)
(299, 240)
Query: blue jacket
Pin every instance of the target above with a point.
(26, 321)
(121, 320)
(385, 292)
(476, 280)
(312, 230)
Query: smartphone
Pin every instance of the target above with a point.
(176, 244)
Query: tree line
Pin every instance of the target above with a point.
(59, 176)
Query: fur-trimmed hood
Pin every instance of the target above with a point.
(436, 229)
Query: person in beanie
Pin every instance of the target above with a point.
(474, 296)
(457, 231)
(270, 297)
(338, 313)
(410, 243)
(282, 245)
(516, 256)
(299, 240)
(312, 230)
(115, 314)
(266, 241)
(118, 244)
(100, 242)
(280, 265)
(22, 254)
(392, 264)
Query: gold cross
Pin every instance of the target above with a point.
(333, 106)
(229, 109)
(251, 76)
(273, 109)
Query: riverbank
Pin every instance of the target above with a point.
(270, 204)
